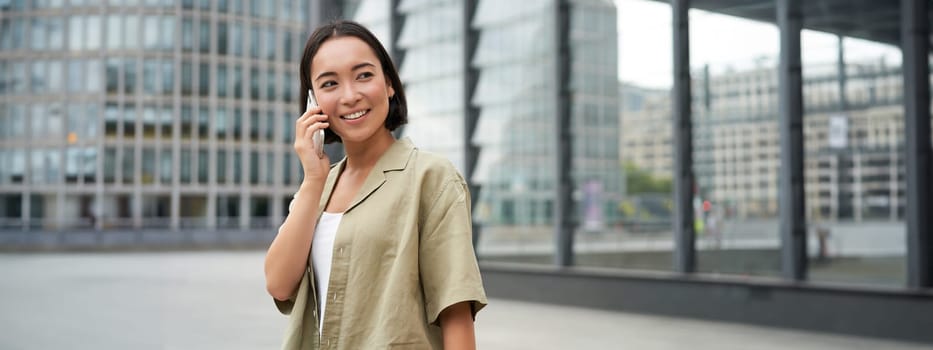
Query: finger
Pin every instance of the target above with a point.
(309, 131)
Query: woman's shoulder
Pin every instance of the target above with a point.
(433, 164)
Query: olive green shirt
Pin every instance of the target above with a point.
(403, 253)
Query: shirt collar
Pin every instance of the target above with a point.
(394, 159)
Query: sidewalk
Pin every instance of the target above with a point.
(217, 300)
(514, 325)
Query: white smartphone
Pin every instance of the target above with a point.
(318, 138)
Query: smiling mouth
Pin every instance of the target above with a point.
(354, 116)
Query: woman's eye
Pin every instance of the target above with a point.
(365, 75)
(328, 83)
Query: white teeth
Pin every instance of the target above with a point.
(353, 116)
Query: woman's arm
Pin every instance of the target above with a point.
(457, 327)
(288, 254)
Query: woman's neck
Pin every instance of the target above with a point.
(363, 156)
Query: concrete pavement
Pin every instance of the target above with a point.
(216, 300)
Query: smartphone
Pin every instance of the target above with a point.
(318, 138)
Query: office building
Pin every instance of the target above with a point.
(148, 114)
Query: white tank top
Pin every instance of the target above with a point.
(322, 251)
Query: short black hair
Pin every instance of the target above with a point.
(398, 106)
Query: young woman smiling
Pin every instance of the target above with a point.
(376, 251)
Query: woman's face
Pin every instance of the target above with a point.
(351, 89)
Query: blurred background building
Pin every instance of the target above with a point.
(147, 114)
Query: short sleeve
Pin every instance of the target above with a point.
(449, 272)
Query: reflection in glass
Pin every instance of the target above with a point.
(129, 76)
(204, 79)
(148, 175)
(221, 166)
(132, 32)
(114, 32)
(168, 77)
(204, 36)
(222, 38)
(187, 35)
(222, 80)
(185, 173)
(150, 68)
(202, 165)
(187, 78)
(165, 166)
(113, 75)
(128, 160)
(110, 165)
(94, 33)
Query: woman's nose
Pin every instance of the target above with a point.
(349, 94)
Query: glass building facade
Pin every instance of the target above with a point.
(147, 114)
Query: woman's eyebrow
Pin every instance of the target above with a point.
(357, 66)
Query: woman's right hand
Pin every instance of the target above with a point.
(315, 168)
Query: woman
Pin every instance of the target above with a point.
(388, 228)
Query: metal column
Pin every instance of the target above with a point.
(790, 110)
(684, 184)
(915, 45)
(564, 205)
(470, 112)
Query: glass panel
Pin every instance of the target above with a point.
(56, 27)
(193, 211)
(187, 78)
(166, 32)
(131, 37)
(150, 69)
(39, 77)
(270, 42)
(854, 160)
(187, 35)
(515, 165)
(221, 166)
(129, 121)
(237, 167)
(76, 80)
(38, 35)
(202, 165)
(204, 36)
(148, 175)
(129, 76)
(254, 41)
(270, 84)
(254, 81)
(114, 32)
(254, 125)
(113, 75)
(186, 121)
(222, 38)
(168, 77)
(270, 126)
(151, 32)
(110, 165)
(222, 80)
(203, 120)
(204, 79)
(165, 166)
(128, 160)
(736, 143)
(220, 122)
(254, 167)
(237, 81)
(95, 76)
(186, 165)
(94, 32)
